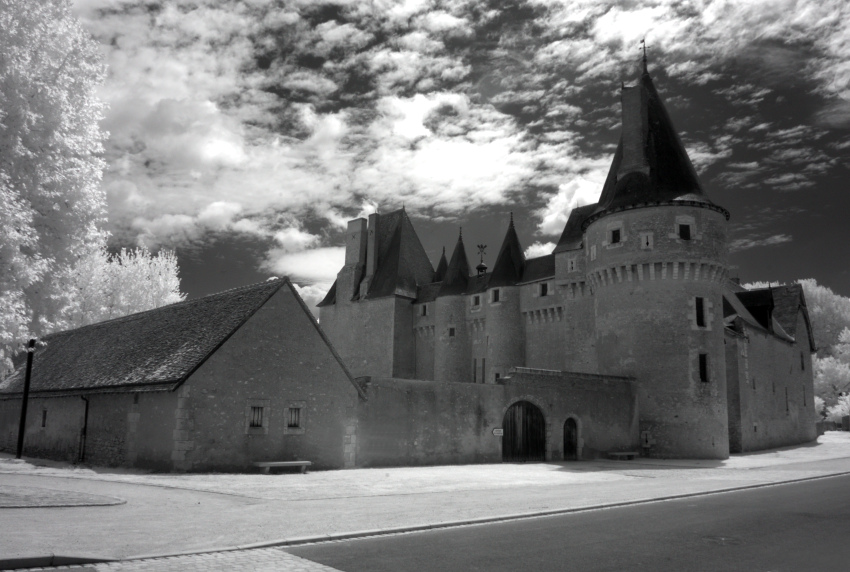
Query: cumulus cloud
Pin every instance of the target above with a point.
(578, 192)
(539, 249)
(318, 266)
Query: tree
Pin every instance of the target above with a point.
(829, 313)
(51, 203)
(103, 287)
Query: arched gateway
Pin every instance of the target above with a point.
(524, 436)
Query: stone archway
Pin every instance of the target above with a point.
(524, 438)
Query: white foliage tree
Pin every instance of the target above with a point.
(52, 207)
(104, 286)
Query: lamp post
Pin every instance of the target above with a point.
(25, 399)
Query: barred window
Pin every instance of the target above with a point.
(256, 417)
(294, 418)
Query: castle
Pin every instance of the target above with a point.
(638, 286)
(630, 338)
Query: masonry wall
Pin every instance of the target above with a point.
(545, 322)
(276, 360)
(123, 430)
(775, 394)
(363, 332)
(416, 422)
(423, 339)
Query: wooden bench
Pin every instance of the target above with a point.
(266, 466)
(620, 456)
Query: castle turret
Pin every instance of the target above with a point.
(451, 344)
(656, 259)
(505, 342)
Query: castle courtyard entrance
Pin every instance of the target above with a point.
(570, 440)
(524, 438)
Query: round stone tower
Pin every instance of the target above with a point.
(656, 252)
(451, 338)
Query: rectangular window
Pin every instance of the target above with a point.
(474, 370)
(44, 417)
(703, 368)
(802, 362)
(544, 289)
(483, 370)
(684, 231)
(256, 417)
(646, 240)
(476, 300)
(498, 376)
(424, 309)
(496, 295)
(787, 406)
(593, 252)
(451, 332)
(615, 236)
(700, 308)
(804, 397)
(571, 265)
(293, 419)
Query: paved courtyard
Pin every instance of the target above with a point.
(128, 515)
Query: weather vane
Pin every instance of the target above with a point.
(481, 268)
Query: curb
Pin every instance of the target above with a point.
(298, 541)
(51, 560)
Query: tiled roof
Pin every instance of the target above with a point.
(457, 273)
(510, 261)
(159, 348)
(539, 268)
(440, 273)
(402, 262)
(573, 234)
(660, 170)
(776, 308)
(428, 292)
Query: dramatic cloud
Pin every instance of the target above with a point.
(251, 117)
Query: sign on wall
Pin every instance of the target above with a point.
(498, 432)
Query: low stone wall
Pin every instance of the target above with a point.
(417, 422)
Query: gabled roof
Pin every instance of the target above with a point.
(510, 261)
(402, 262)
(650, 165)
(154, 350)
(457, 272)
(573, 234)
(440, 272)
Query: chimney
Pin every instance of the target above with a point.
(635, 131)
(371, 254)
(355, 243)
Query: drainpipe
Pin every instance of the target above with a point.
(84, 431)
(24, 401)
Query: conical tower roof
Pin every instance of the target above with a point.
(510, 262)
(440, 273)
(650, 165)
(456, 278)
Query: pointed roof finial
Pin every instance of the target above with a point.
(512, 219)
(643, 47)
(460, 234)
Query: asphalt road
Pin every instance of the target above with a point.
(793, 527)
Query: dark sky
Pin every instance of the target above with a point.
(243, 134)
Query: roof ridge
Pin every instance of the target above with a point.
(180, 304)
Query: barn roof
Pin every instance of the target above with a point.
(154, 350)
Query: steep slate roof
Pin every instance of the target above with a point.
(440, 272)
(457, 272)
(775, 309)
(573, 234)
(510, 261)
(539, 268)
(402, 262)
(660, 170)
(154, 350)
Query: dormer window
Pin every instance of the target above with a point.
(685, 231)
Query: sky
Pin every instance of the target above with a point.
(244, 134)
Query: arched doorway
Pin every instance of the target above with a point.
(524, 437)
(570, 440)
